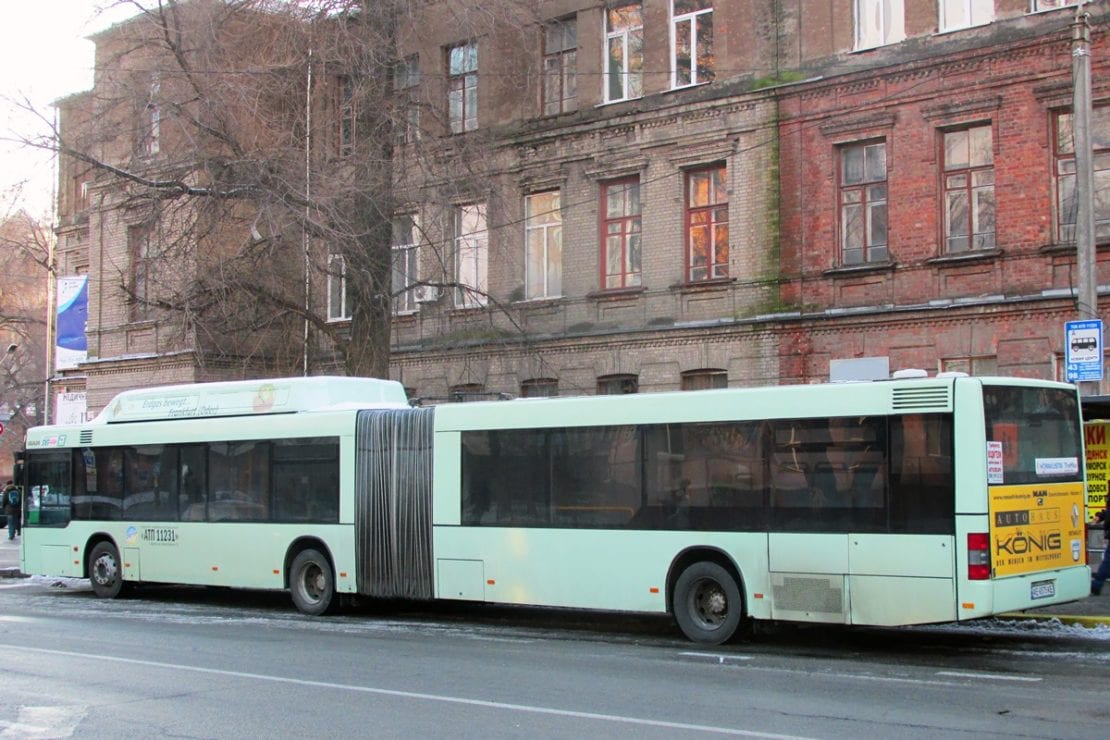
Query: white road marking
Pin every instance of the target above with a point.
(527, 708)
(990, 676)
(720, 659)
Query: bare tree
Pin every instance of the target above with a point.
(254, 152)
(24, 251)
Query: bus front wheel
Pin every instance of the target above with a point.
(707, 603)
(104, 571)
(311, 583)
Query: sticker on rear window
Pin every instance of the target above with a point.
(1048, 466)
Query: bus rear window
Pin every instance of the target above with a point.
(1033, 435)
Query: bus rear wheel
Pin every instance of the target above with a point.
(311, 583)
(707, 603)
(104, 571)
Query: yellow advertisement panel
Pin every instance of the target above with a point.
(1036, 527)
(1098, 457)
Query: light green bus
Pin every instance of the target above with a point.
(895, 502)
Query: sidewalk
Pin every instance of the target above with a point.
(9, 556)
(1089, 612)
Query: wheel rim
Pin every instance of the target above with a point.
(105, 570)
(313, 583)
(709, 604)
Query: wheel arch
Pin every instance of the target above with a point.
(95, 539)
(299, 545)
(700, 553)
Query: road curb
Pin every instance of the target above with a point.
(11, 573)
(1082, 620)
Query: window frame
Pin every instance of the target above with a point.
(539, 388)
(346, 115)
(631, 79)
(476, 241)
(972, 11)
(617, 384)
(404, 295)
(973, 365)
(1063, 158)
(970, 191)
(703, 379)
(406, 81)
(560, 66)
(1042, 6)
(551, 234)
(865, 204)
(630, 276)
(337, 281)
(890, 21)
(715, 268)
(143, 260)
(693, 19)
(463, 85)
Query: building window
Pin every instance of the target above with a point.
(560, 80)
(691, 42)
(965, 13)
(338, 310)
(472, 255)
(151, 135)
(539, 388)
(624, 49)
(983, 365)
(143, 264)
(863, 236)
(80, 192)
(543, 246)
(462, 87)
(969, 189)
(701, 380)
(406, 236)
(621, 238)
(615, 385)
(1050, 4)
(346, 113)
(1066, 203)
(465, 392)
(406, 80)
(878, 22)
(707, 224)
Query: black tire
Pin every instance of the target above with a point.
(105, 572)
(707, 603)
(311, 583)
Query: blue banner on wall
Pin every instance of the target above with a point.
(71, 346)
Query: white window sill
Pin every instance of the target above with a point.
(617, 102)
(955, 29)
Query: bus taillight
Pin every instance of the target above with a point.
(978, 556)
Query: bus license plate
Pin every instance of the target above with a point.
(1042, 589)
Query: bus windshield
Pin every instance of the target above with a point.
(1038, 430)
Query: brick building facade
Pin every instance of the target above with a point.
(682, 194)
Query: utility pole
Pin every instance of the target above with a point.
(1087, 294)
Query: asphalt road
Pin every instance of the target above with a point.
(213, 663)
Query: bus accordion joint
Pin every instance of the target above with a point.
(978, 556)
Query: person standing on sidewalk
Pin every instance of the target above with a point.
(14, 509)
(1103, 572)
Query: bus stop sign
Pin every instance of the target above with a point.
(1083, 350)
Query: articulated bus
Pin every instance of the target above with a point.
(895, 502)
